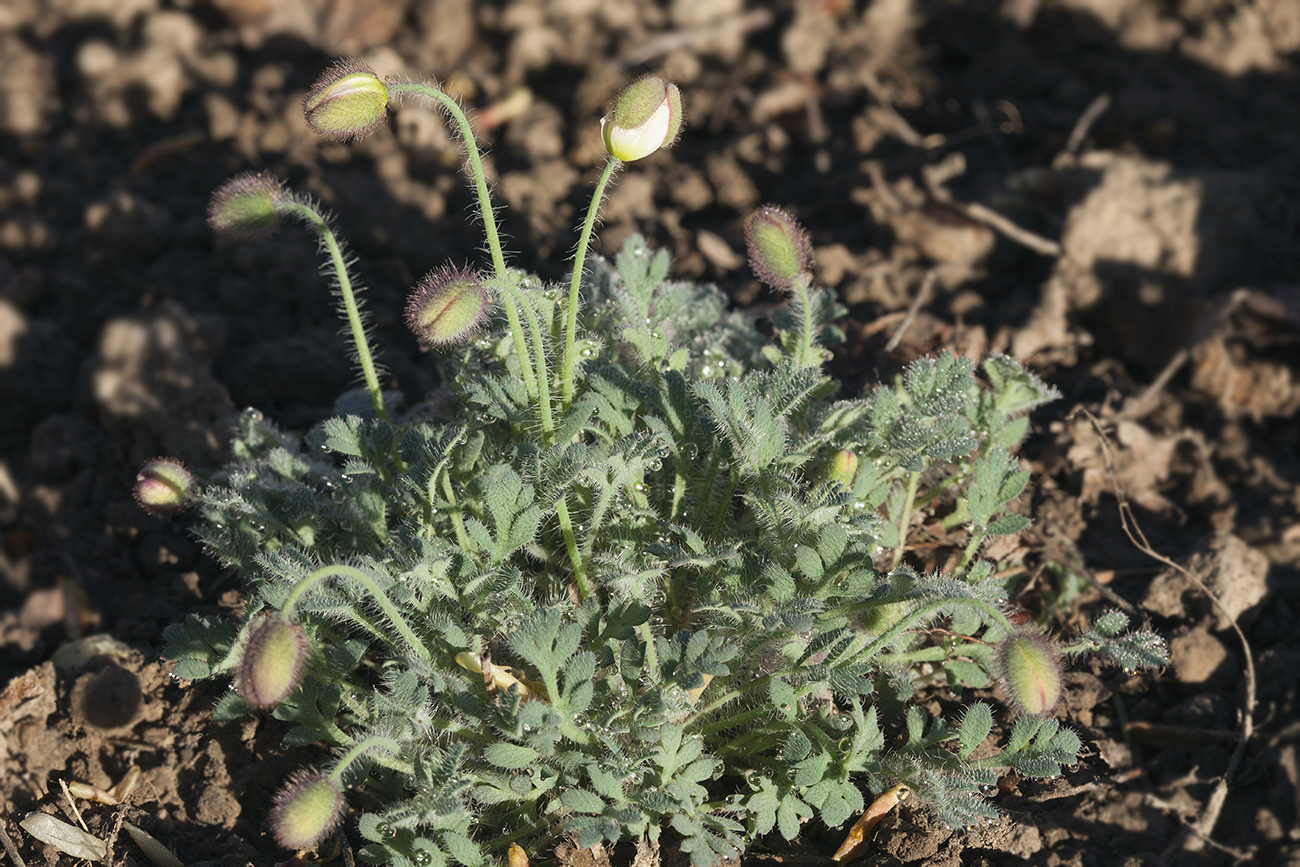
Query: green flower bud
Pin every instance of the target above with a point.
(1031, 669)
(843, 468)
(163, 486)
(246, 207)
(644, 117)
(273, 662)
(448, 306)
(779, 251)
(347, 101)
(306, 810)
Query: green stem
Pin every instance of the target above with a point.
(905, 517)
(571, 545)
(340, 266)
(361, 747)
(724, 508)
(571, 312)
(857, 652)
(804, 352)
(475, 164)
(462, 538)
(977, 538)
(381, 599)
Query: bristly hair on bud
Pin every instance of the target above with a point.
(164, 486)
(247, 207)
(1030, 666)
(306, 810)
(779, 251)
(448, 306)
(644, 117)
(273, 662)
(348, 101)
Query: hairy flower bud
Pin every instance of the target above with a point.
(246, 207)
(644, 117)
(273, 662)
(779, 251)
(448, 306)
(1031, 669)
(347, 101)
(163, 486)
(306, 810)
(843, 468)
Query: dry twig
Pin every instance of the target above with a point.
(1194, 836)
(922, 298)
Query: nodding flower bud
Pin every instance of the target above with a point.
(273, 662)
(306, 810)
(644, 117)
(163, 486)
(1031, 669)
(448, 306)
(247, 207)
(347, 101)
(779, 251)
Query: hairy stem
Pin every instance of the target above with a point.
(339, 570)
(905, 517)
(353, 312)
(571, 312)
(475, 164)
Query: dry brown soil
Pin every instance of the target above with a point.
(1145, 154)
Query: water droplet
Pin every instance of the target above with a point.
(656, 465)
(252, 414)
(551, 294)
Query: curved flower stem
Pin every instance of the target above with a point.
(486, 212)
(571, 319)
(360, 748)
(475, 163)
(385, 604)
(340, 266)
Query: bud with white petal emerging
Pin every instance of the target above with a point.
(644, 117)
(348, 101)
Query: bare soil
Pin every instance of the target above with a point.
(1144, 156)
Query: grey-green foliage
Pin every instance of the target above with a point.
(745, 659)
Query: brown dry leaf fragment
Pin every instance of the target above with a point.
(855, 843)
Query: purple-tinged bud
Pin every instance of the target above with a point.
(163, 486)
(448, 306)
(644, 117)
(273, 662)
(779, 251)
(347, 101)
(247, 207)
(306, 810)
(1031, 669)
